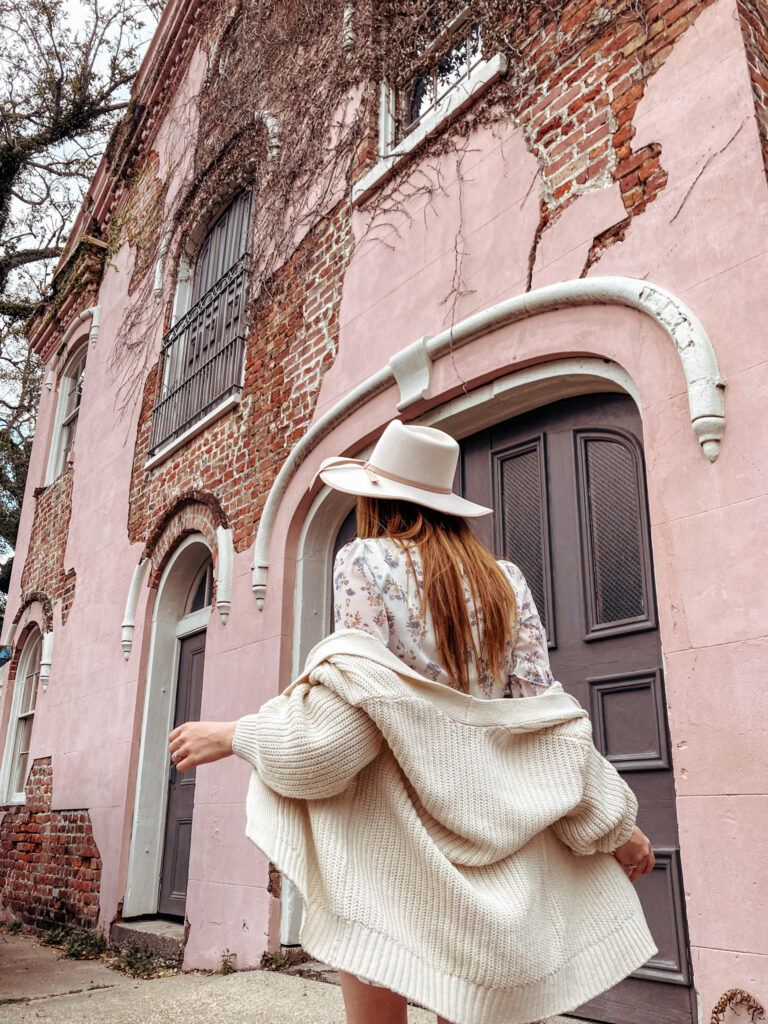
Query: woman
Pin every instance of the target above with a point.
(418, 582)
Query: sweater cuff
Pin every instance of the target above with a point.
(623, 833)
(245, 741)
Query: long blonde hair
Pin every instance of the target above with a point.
(450, 555)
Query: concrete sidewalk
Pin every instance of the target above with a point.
(39, 987)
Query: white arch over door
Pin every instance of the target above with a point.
(411, 370)
(169, 625)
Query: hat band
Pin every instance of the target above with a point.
(374, 471)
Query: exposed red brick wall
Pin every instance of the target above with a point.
(754, 28)
(292, 341)
(50, 868)
(191, 517)
(577, 112)
(68, 594)
(44, 564)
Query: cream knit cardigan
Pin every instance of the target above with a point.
(452, 849)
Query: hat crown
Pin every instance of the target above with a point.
(419, 455)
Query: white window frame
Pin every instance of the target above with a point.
(33, 642)
(392, 152)
(62, 419)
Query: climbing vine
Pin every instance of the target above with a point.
(289, 108)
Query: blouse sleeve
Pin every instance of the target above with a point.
(357, 599)
(529, 670)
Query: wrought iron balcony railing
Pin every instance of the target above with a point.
(201, 361)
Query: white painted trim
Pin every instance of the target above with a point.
(52, 470)
(482, 75)
(13, 718)
(224, 567)
(270, 122)
(94, 313)
(148, 829)
(348, 28)
(173, 446)
(195, 622)
(46, 657)
(183, 293)
(129, 617)
(157, 287)
(702, 376)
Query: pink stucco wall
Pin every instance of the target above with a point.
(703, 239)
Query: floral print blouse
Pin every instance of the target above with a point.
(375, 591)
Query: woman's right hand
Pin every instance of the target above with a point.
(636, 855)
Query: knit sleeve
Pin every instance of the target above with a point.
(308, 744)
(357, 599)
(605, 816)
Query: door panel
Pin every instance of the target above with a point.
(567, 486)
(181, 786)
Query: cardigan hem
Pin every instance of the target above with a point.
(353, 947)
(350, 946)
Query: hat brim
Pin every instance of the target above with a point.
(352, 478)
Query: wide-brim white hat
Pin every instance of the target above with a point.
(409, 463)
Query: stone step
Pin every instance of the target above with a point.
(161, 937)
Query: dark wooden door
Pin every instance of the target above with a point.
(567, 486)
(181, 785)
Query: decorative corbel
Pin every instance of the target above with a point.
(273, 133)
(225, 562)
(46, 656)
(129, 618)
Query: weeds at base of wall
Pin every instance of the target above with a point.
(131, 958)
(277, 961)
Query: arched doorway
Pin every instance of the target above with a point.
(567, 485)
(162, 824)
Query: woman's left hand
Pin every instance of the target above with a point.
(195, 743)
(636, 855)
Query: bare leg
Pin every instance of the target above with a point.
(369, 1004)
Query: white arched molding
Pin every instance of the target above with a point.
(34, 614)
(225, 559)
(169, 625)
(129, 618)
(412, 367)
(94, 314)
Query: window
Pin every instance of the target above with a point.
(201, 592)
(453, 72)
(67, 413)
(453, 56)
(201, 361)
(22, 714)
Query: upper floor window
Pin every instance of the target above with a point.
(451, 58)
(449, 72)
(15, 762)
(67, 413)
(201, 361)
